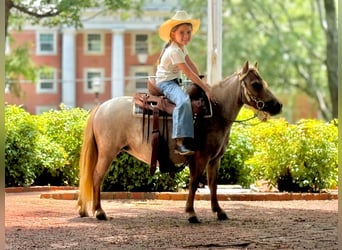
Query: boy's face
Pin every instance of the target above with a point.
(182, 35)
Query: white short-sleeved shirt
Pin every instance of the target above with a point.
(167, 68)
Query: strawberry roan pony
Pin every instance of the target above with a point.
(112, 128)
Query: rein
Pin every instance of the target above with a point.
(246, 120)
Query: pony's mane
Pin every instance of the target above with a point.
(226, 80)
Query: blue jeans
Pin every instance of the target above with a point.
(182, 114)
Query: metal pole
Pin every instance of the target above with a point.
(214, 47)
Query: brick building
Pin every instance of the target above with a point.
(107, 57)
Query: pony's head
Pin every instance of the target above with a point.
(255, 91)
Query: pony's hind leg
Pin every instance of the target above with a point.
(82, 211)
(102, 166)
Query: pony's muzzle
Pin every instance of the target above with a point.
(273, 107)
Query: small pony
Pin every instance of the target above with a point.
(112, 128)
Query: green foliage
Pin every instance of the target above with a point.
(233, 169)
(287, 38)
(296, 157)
(130, 174)
(44, 149)
(64, 130)
(65, 127)
(18, 64)
(63, 12)
(21, 135)
(316, 146)
(50, 161)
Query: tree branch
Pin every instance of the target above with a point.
(25, 9)
(321, 18)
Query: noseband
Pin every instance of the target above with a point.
(260, 104)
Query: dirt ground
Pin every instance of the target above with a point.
(34, 223)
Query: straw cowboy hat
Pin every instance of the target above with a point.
(180, 17)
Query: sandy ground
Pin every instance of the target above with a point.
(34, 223)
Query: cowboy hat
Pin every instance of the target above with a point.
(179, 18)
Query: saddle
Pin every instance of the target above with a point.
(155, 104)
(199, 102)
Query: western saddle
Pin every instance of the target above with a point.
(155, 103)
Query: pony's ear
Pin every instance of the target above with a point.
(256, 65)
(245, 67)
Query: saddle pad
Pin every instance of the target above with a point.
(138, 112)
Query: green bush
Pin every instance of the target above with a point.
(60, 145)
(129, 174)
(296, 157)
(50, 161)
(20, 155)
(43, 149)
(233, 169)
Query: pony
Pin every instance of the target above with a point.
(112, 128)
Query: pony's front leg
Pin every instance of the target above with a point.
(196, 170)
(212, 174)
(189, 207)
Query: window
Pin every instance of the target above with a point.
(46, 43)
(141, 81)
(138, 76)
(47, 82)
(94, 43)
(141, 44)
(42, 109)
(90, 77)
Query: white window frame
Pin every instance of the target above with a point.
(135, 43)
(141, 79)
(140, 69)
(46, 108)
(86, 40)
(38, 43)
(101, 76)
(53, 81)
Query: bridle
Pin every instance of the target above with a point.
(260, 104)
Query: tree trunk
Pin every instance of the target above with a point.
(8, 6)
(332, 54)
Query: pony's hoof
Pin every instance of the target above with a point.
(83, 214)
(194, 220)
(222, 216)
(101, 216)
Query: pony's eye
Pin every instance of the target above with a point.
(257, 86)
